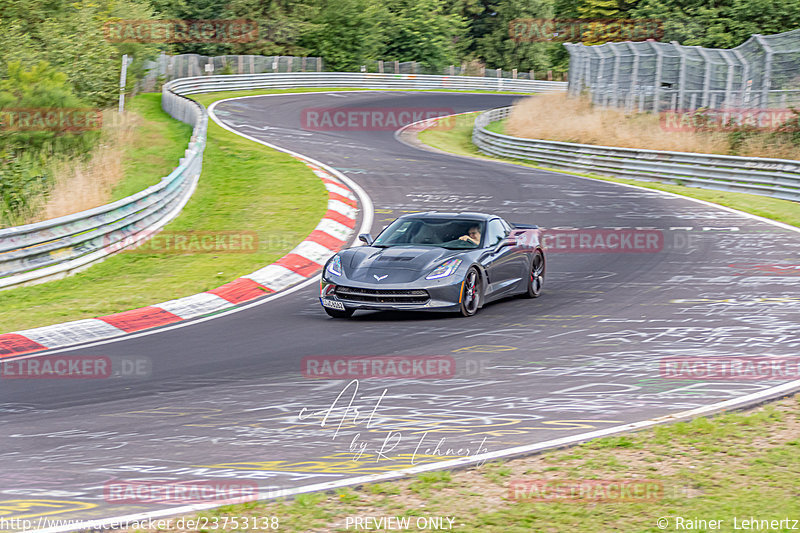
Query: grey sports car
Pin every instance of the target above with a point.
(435, 262)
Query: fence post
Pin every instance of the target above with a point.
(380, 66)
(657, 80)
(513, 73)
(597, 94)
(615, 75)
(706, 74)
(745, 76)
(767, 80)
(319, 64)
(397, 67)
(123, 76)
(634, 78)
(681, 74)
(728, 81)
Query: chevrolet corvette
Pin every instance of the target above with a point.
(435, 262)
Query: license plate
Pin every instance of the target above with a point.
(332, 304)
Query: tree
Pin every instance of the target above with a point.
(497, 47)
(346, 33)
(422, 31)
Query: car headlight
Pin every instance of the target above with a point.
(335, 266)
(445, 269)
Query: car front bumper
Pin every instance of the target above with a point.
(438, 295)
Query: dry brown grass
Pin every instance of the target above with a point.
(80, 185)
(559, 118)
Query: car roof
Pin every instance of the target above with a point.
(454, 216)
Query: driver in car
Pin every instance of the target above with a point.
(473, 235)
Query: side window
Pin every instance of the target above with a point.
(495, 232)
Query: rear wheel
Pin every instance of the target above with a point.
(471, 292)
(335, 313)
(536, 277)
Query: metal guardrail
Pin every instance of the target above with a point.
(357, 79)
(777, 178)
(56, 248)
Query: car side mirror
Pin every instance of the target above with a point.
(366, 238)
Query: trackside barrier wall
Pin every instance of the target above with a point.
(777, 178)
(58, 247)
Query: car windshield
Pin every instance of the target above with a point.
(441, 232)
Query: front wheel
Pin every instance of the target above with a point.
(471, 292)
(536, 278)
(335, 313)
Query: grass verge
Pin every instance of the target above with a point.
(245, 187)
(458, 140)
(157, 146)
(739, 465)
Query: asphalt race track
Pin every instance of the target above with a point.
(221, 399)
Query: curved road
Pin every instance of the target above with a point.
(221, 399)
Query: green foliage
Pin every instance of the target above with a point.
(497, 48)
(719, 24)
(25, 155)
(22, 180)
(422, 31)
(346, 33)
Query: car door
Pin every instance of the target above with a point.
(504, 265)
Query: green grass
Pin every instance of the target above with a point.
(244, 187)
(156, 148)
(738, 464)
(458, 140)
